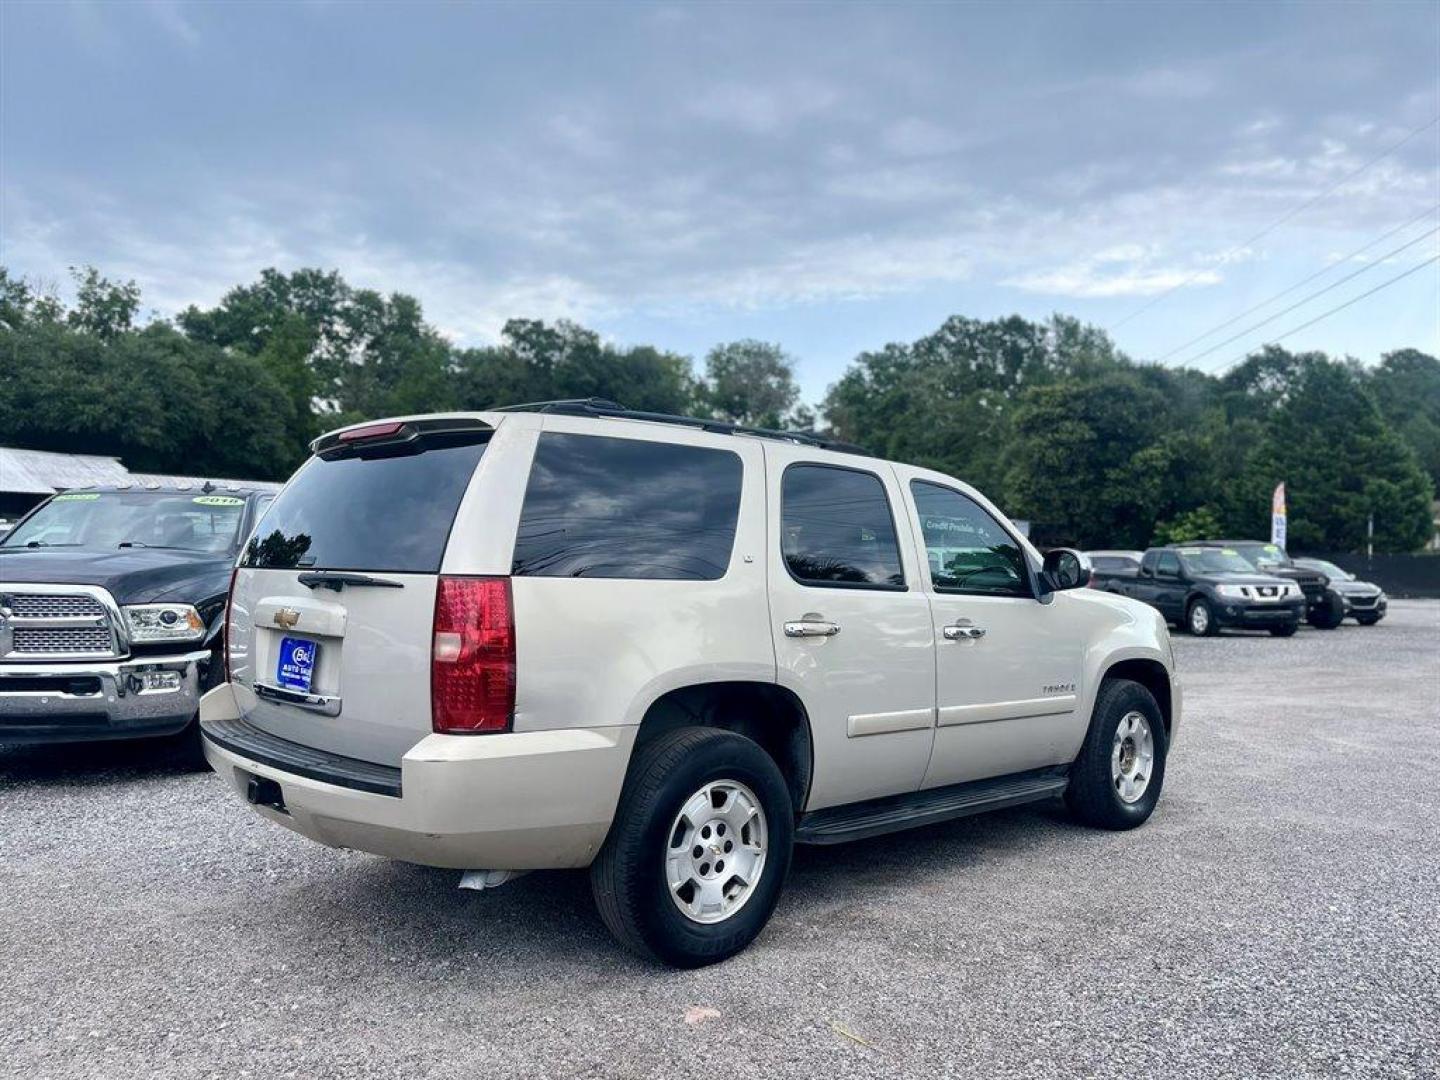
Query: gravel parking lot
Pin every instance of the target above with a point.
(1279, 916)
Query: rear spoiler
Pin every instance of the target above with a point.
(396, 435)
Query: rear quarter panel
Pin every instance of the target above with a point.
(597, 652)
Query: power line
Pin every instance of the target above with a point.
(1326, 314)
(1299, 284)
(1318, 292)
(1281, 220)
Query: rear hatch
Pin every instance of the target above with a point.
(332, 611)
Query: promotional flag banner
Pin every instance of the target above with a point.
(1277, 516)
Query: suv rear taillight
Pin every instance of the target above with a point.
(472, 660)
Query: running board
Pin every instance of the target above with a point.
(875, 817)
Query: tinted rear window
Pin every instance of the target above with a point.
(623, 508)
(367, 513)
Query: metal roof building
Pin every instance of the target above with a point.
(28, 476)
(41, 472)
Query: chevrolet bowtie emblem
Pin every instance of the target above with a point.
(286, 617)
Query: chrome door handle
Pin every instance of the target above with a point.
(811, 627)
(958, 633)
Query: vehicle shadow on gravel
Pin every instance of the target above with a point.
(903, 860)
(94, 762)
(550, 918)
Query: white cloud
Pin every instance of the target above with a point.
(763, 110)
(913, 136)
(171, 17)
(686, 157)
(1125, 270)
(1268, 168)
(1174, 83)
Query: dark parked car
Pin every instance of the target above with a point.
(1204, 589)
(1365, 601)
(1109, 568)
(1324, 606)
(112, 607)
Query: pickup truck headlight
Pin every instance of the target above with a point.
(1232, 592)
(164, 622)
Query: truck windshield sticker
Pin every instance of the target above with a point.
(217, 500)
(77, 496)
(1197, 551)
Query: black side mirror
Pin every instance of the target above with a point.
(1064, 568)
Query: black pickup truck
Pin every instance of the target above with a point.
(1204, 589)
(112, 608)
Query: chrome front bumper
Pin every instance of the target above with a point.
(58, 701)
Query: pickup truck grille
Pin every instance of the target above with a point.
(32, 606)
(86, 640)
(56, 622)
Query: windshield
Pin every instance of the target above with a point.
(1214, 561)
(1264, 556)
(1329, 569)
(107, 520)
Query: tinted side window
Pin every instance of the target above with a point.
(836, 528)
(1169, 564)
(625, 508)
(968, 550)
(1148, 561)
(379, 512)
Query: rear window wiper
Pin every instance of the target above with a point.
(338, 579)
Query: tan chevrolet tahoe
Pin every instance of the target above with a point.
(668, 650)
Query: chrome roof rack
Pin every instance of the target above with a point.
(600, 407)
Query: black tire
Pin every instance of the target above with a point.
(1328, 616)
(628, 877)
(1288, 630)
(1211, 626)
(1367, 620)
(1092, 795)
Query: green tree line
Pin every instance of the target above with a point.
(1048, 417)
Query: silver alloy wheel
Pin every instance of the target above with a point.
(715, 851)
(1132, 757)
(1199, 619)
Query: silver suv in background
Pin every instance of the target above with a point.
(667, 650)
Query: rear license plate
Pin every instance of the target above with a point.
(297, 664)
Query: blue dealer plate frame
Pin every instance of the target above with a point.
(295, 668)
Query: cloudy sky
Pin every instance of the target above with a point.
(831, 178)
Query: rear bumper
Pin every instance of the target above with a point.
(516, 801)
(80, 701)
